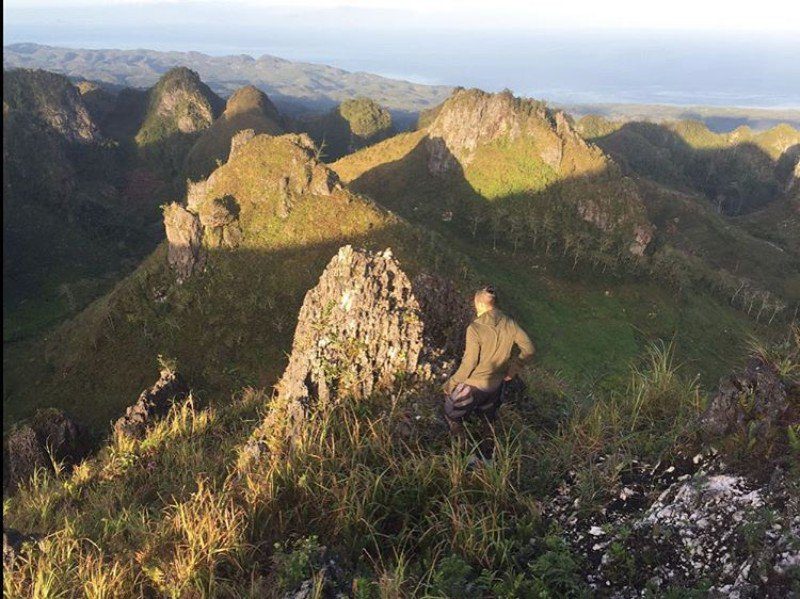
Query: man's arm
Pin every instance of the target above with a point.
(472, 353)
(526, 351)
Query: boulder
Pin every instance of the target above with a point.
(185, 241)
(50, 435)
(364, 326)
(220, 219)
(239, 140)
(153, 404)
(757, 401)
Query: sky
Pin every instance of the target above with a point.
(728, 15)
(730, 53)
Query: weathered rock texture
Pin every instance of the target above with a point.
(239, 140)
(184, 231)
(683, 524)
(53, 100)
(758, 404)
(153, 403)
(50, 435)
(587, 178)
(362, 327)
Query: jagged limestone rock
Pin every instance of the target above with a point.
(757, 400)
(239, 140)
(471, 121)
(50, 435)
(220, 219)
(184, 231)
(364, 326)
(153, 404)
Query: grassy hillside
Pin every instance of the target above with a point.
(512, 170)
(738, 172)
(227, 327)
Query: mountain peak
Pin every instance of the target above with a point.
(51, 99)
(471, 118)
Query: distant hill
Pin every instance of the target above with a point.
(247, 108)
(738, 171)
(720, 119)
(299, 88)
(508, 170)
(294, 87)
(350, 126)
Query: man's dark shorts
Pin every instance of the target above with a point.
(466, 400)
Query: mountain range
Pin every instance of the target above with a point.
(300, 283)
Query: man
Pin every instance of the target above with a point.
(477, 385)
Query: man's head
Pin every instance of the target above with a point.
(485, 299)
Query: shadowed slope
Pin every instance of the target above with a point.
(247, 108)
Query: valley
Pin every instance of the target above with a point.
(249, 250)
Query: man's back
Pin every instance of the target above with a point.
(487, 359)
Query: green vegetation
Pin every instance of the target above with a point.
(399, 513)
(247, 108)
(228, 327)
(737, 171)
(352, 125)
(70, 226)
(180, 105)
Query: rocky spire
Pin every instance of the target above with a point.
(364, 325)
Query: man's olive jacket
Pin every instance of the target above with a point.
(487, 358)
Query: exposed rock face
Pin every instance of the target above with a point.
(153, 403)
(469, 119)
(49, 435)
(182, 97)
(220, 219)
(579, 172)
(239, 140)
(184, 231)
(757, 402)
(53, 100)
(363, 326)
(681, 524)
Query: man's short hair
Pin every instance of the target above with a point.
(486, 295)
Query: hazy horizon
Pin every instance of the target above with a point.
(603, 64)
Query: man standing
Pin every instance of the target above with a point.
(476, 387)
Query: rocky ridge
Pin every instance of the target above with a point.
(53, 100)
(179, 103)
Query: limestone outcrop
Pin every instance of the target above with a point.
(364, 326)
(185, 253)
(153, 403)
(50, 435)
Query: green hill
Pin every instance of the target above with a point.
(247, 108)
(508, 168)
(231, 324)
(352, 125)
(179, 107)
(738, 171)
